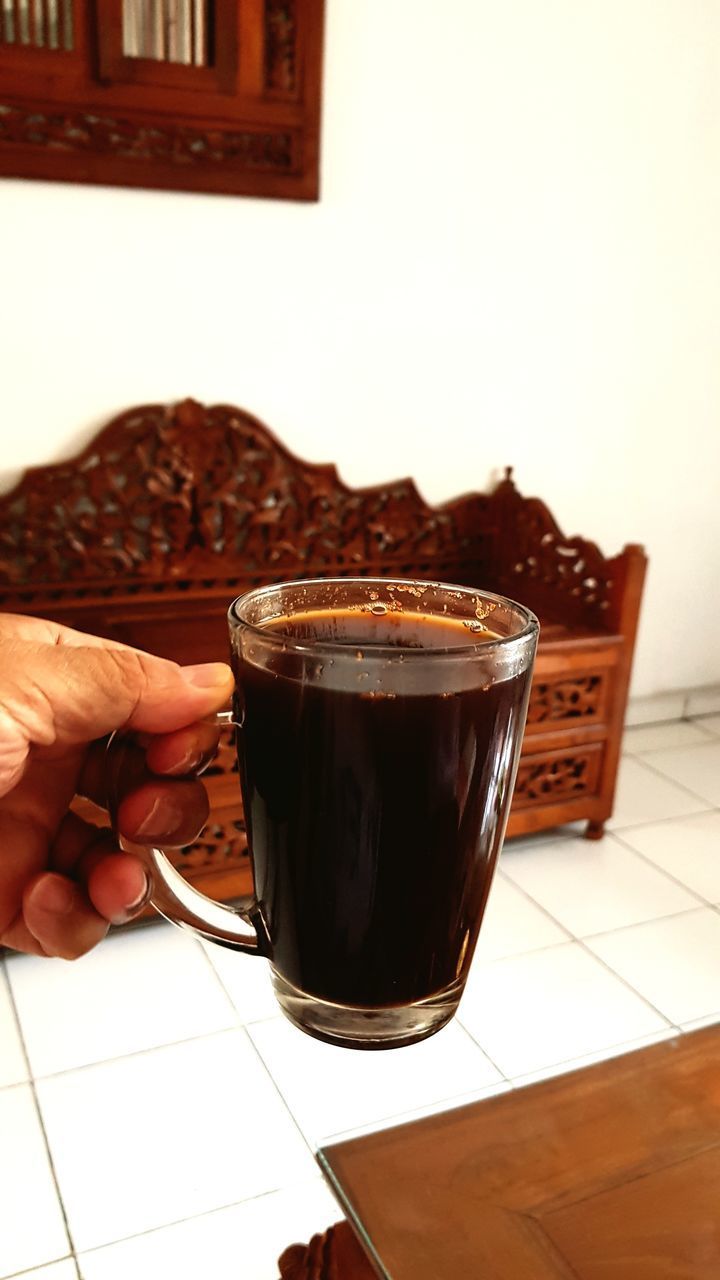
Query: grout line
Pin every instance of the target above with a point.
(662, 724)
(32, 1271)
(623, 1047)
(458, 1019)
(706, 738)
(545, 912)
(490, 962)
(218, 979)
(41, 1118)
(196, 1217)
(675, 879)
(312, 1149)
(511, 844)
(667, 778)
(654, 822)
(426, 1110)
(626, 847)
(641, 924)
(125, 1057)
(588, 950)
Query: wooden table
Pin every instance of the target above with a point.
(609, 1173)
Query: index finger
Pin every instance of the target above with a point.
(183, 753)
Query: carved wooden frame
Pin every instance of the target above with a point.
(249, 125)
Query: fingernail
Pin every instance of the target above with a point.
(54, 895)
(208, 675)
(133, 908)
(141, 898)
(162, 820)
(189, 763)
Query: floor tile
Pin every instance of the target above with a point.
(13, 1067)
(674, 963)
(591, 1059)
(421, 1113)
(65, 1270)
(591, 886)
(532, 841)
(655, 737)
(531, 1011)
(702, 702)
(32, 1231)
(246, 980)
(513, 924)
(711, 724)
(243, 1242)
(154, 1138)
(697, 768)
(137, 990)
(686, 848)
(330, 1090)
(656, 707)
(697, 1024)
(644, 796)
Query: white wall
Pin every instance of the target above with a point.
(515, 259)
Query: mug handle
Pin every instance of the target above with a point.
(241, 928)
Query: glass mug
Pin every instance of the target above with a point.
(379, 725)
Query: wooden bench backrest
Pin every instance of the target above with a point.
(172, 510)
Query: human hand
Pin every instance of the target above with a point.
(63, 881)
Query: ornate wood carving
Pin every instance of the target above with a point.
(579, 698)
(172, 510)
(557, 776)
(128, 139)
(537, 557)
(280, 45)
(188, 495)
(223, 842)
(225, 761)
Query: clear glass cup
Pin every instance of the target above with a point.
(379, 724)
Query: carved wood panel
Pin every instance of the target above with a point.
(557, 775)
(115, 135)
(223, 843)
(580, 698)
(193, 497)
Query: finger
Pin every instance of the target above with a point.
(186, 751)
(61, 695)
(168, 814)
(60, 916)
(22, 626)
(116, 883)
(118, 887)
(150, 809)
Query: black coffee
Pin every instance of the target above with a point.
(373, 818)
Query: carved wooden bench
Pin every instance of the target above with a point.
(172, 510)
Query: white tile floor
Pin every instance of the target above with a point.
(158, 1118)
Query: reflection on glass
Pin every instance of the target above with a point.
(168, 30)
(38, 24)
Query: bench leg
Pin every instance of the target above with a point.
(335, 1255)
(594, 830)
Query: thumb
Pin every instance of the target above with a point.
(64, 695)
